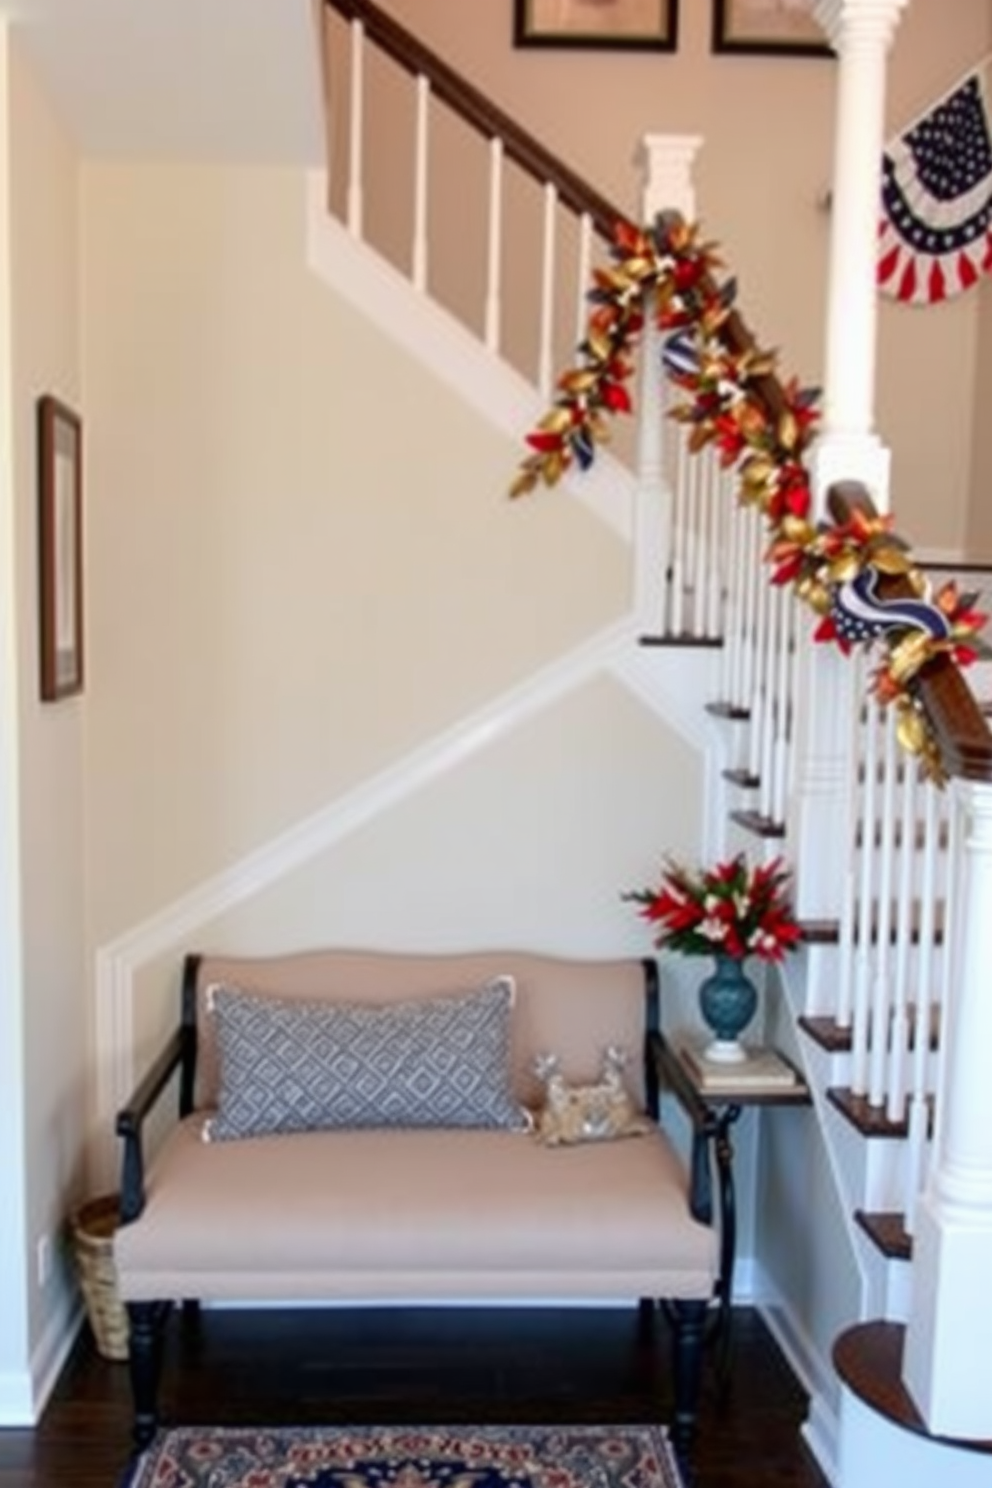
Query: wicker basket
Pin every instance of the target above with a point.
(93, 1227)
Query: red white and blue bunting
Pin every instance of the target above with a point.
(935, 235)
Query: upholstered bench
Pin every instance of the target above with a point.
(319, 1158)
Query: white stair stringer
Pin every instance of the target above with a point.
(435, 337)
(868, 1172)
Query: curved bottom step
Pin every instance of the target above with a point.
(883, 1438)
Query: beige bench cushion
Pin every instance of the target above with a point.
(414, 1215)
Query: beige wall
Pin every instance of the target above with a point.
(44, 271)
(303, 561)
(979, 537)
(765, 165)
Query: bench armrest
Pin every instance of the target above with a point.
(130, 1122)
(673, 1077)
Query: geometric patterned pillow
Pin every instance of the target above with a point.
(289, 1066)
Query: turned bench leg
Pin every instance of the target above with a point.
(688, 1320)
(147, 1325)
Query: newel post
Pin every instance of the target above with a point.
(666, 162)
(848, 448)
(950, 1319)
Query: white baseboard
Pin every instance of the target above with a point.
(25, 1393)
(821, 1430)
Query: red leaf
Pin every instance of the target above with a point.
(545, 442)
(616, 397)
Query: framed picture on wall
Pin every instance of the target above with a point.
(771, 27)
(60, 548)
(597, 23)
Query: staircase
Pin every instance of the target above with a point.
(710, 644)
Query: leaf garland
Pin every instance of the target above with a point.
(732, 399)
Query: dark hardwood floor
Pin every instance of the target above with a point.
(428, 1366)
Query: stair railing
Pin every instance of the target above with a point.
(374, 35)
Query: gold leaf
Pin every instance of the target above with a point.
(846, 566)
(911, 730)
(524, 483)
(890, 561)
(554, 467)
(579, 381)
(815, 594)
(797, 531)
(699, 438)
(909, 655)
(788, 431)
(599, 345)
(557, 421)
(758, 470)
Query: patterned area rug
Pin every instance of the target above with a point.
(407, 1457)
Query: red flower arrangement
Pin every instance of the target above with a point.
(730, 910)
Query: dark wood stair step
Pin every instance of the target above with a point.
(683, 638)
(868, 1358)
(887, 1229)
(870, 1121)
(728, 710)
(743, 778)
(761, 826)
(830, 1035)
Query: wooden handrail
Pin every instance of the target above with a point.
(483, 116)
(488, 119)
(959, 726)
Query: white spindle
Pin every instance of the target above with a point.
(494, 256)
(783, 716)
(866, 884)
(759, 685)
(356, 131)
(683, 465)
(881, 991)
(584, 271)
(752, 577)
(420, 185)
(719, 524)
(546, 353)
(699, 556)
(899, 1038)
(843, 1010)
(767, 770)
(730, 660)
(919, 1116)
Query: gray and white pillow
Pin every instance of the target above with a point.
(290, 1066)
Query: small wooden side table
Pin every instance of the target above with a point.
(714, 1096)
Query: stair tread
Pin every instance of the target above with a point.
(728, 710)
(827, 1032)
(761, 826)
(887, 1228)
(870, 1120)
(868, 1358)
(743, 778)
(682, 638)
(837, 1038)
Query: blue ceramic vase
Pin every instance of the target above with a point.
(728, 1000)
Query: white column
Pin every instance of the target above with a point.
(666, 162)
(847, 448)
(861, 32)
(950, 1320)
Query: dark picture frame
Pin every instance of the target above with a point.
(60, 548)
(748, 29)
(629, 25)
